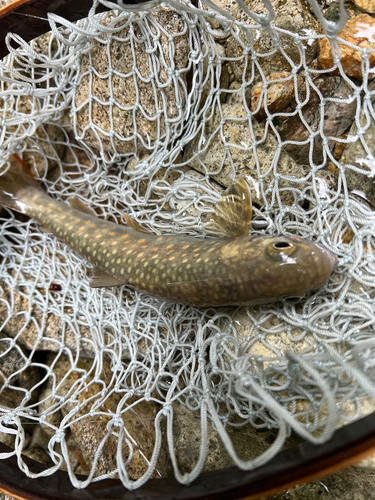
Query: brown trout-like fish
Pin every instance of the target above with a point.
(234, 269)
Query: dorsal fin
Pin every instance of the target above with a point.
(134, 225)
(232, 215)
(101, 279)
(79, 205)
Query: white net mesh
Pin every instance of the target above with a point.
(152, 113)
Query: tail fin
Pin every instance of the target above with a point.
(16, 185)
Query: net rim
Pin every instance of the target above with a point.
(301, 463)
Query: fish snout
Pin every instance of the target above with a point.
(330, 258)
(325, 264)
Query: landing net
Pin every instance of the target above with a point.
(152, 113)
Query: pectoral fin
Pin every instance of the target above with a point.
(232, 215)
(101, 279)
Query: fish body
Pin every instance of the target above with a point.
(241, 270)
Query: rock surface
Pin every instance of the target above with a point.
(19, 324)
(277, 94)
(366, 5)
(347, 484)
(356, 155)
(24, 322)
(292, 15)
(130, 123)
(44, 149)
(359, 31)
(338, 117)
(89, 430)
(233, 125)
(17, 374)
(248, 442)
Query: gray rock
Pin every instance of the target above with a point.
(132, 131)
(9, 439)
(292, 15)
(17, 375)
(347, 484)
(356, 156)
(39, 455)
(90, 429)
(338, 117)
(248, 442)
(37, 449)
(187, 442)
(215, 157)
(20, 317)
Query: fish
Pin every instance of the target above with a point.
(232, 269)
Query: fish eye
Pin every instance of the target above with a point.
(281, 245)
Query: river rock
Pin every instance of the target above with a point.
(102, 123)
(359, 31)
(248, 442)
(55, 331)
(93, 412)
(187, 441)
(38, 455)
(214, 155)
(18, 316)
(17, 374)
(365, 5)
(278, 94)
(338, 117)
(292, 15)
(354, 154)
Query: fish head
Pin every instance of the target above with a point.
(288, 267)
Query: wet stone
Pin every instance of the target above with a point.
(347, 484)
(187, 442)
(223, 161)
(20, 321)
(103, 123)
(359, 31)
(338, 117)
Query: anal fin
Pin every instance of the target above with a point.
(134, 225)
(101, 279)
(79, 205)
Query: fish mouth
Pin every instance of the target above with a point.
(293, 299)
(332, 259)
